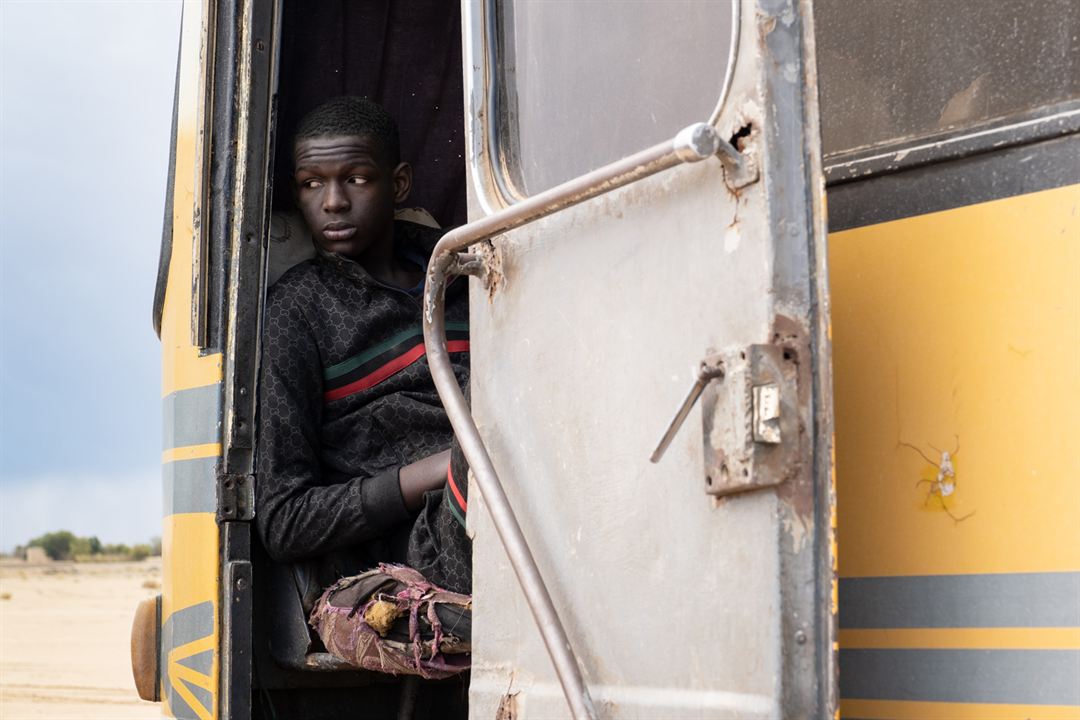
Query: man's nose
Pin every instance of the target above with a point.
(335, 200)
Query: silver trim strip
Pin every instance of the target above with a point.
(189, 486)
(1021, 677)
(961, 601)
(191, 417)
(991, 135)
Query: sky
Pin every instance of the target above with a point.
(86, 92)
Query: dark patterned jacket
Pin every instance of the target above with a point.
(346, 398)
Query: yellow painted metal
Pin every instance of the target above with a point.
(960, 326)
(900, 710)
(191, 452)
(963, 638)
(190, 541)
(182, 364)
(190, 552)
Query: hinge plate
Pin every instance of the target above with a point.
(235, 497)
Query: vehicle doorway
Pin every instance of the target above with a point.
(407, 58)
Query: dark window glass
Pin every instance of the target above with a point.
(585, 83)
(891, 70)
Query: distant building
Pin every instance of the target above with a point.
(36, 555)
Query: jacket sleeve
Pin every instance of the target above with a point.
(298, 514)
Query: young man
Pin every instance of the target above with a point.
(354, 444)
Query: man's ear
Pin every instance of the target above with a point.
(402, 182)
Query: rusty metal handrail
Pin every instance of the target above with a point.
(695, 143)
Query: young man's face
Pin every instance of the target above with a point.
(347, 193)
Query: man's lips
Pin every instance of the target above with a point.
(336, 232)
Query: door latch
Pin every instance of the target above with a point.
(749, 418)
(711, 368)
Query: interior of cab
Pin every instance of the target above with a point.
(406, 57)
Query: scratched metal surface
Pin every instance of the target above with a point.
(679, 605)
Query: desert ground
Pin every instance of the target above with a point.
(65, 630)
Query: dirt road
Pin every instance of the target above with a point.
(64, 640)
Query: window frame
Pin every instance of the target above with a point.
(904, 148)
(493, 145)
(1043, 122)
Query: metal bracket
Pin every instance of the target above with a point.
(467, 264)
(750, 421)
(235, 497)
(740, 168)
(749, 418)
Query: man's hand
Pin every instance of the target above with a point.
(417, 478)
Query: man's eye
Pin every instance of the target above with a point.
(358, 180)
(310, 184)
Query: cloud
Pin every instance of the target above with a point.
(125, 508)
(86, 94)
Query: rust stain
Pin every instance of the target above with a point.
(767, 25)
(492, 259)
(798, 492)
(507, 707)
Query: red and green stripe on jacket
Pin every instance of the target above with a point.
(372, 366)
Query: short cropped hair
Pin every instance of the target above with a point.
(351, 115)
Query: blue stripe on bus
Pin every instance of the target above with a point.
(190, 486)
(1021, 677)
(961, 601)
(191, 417)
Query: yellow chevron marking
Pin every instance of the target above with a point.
(190, 576)
(183, 691)
(192, 648)
(180, 675)
(191, 675)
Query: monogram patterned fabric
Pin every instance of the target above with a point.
(346, 399)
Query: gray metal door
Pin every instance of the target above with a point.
(701, 585)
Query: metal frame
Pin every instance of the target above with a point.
(240, 217)
(215, 119)
(783, 34)
(693, 144)
(165, 257)
(801, 281)
(947, 183)
(481, 30)
(906, 153)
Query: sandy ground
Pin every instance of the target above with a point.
(65, 632)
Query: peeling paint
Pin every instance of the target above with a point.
(732, 237)
(507, 707)
(798, 492)
(796, 529)
(491, 257)
(942, 484)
